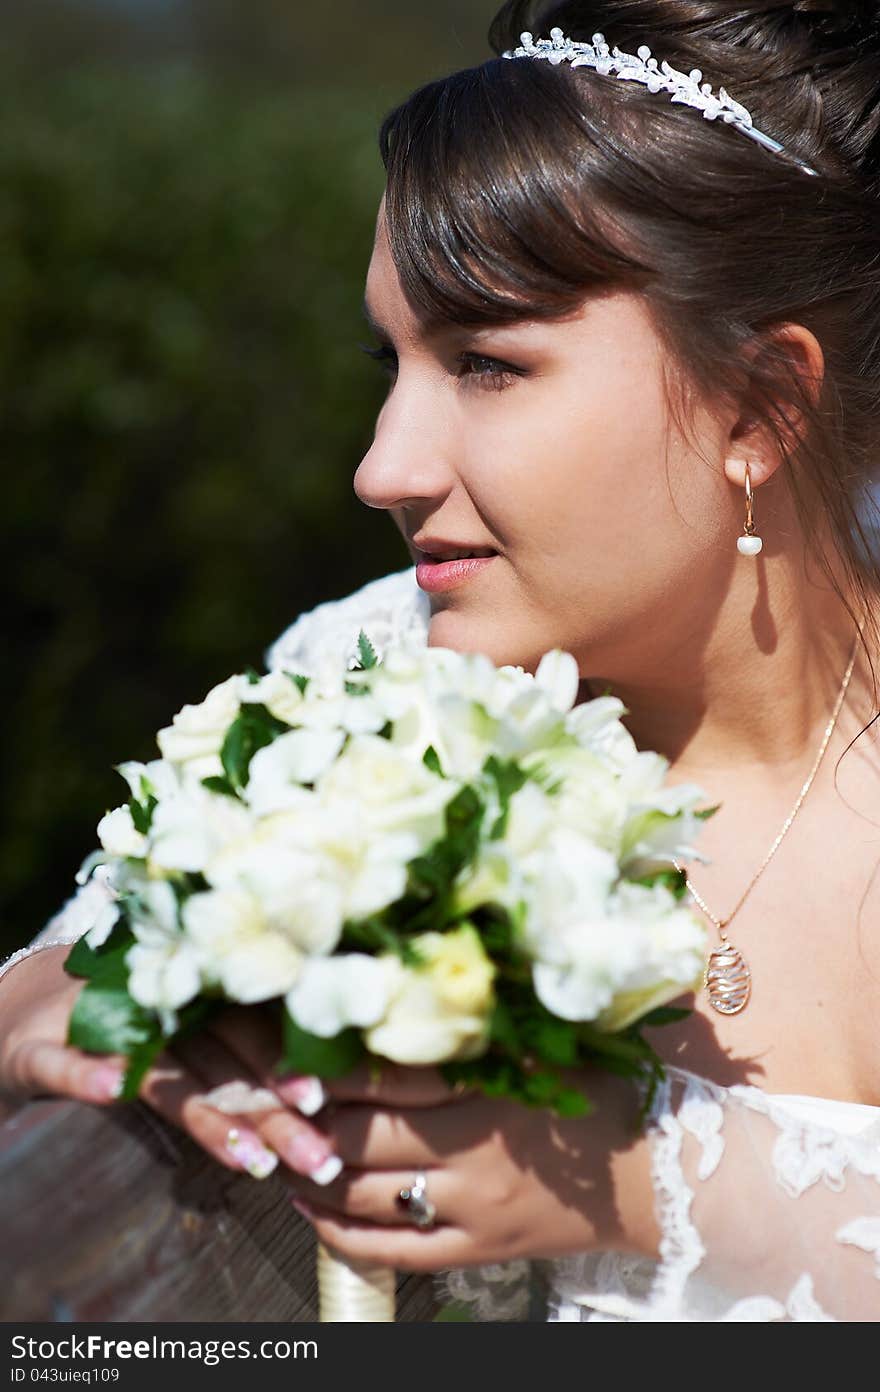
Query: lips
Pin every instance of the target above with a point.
(435, 575)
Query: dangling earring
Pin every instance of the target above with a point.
(749, 544)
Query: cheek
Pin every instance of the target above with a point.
(584, 480)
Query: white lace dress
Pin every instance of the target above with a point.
(769, 1205)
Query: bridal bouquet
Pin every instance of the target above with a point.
(426, 859)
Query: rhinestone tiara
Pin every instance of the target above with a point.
(641, 67)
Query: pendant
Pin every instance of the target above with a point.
(728, 980)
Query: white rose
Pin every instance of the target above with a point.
(193, 825)
(334, 993)
(302, 889)
(278, 771)
(673, 960)
(241, 952)
(439, 1011)
(397, 794)
(118, 834)
(196, 734)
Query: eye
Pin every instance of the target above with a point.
(492, 374)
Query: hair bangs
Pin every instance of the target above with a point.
(493, 204)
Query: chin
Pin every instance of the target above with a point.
(450, 628)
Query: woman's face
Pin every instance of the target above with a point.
(549, 442)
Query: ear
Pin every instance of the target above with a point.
(791, 349)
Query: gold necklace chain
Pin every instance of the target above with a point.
(728, 979)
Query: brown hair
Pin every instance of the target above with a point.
(517, 189)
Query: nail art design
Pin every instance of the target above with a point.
(257, 1159)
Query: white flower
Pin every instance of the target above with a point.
(334, 993)
(590, 797)
(439, 1011)
(164, 968)
(157, 778)
(193, 825)
(196, 734)
(557, 674)
(325, 704)
(241, 952)
(612, 968)
(596, 724)
(278, 771)
(118, 834)
(662, 823)
(301, 887)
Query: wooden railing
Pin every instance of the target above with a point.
(112, 1214)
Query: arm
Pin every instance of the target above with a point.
(81, 912)
(764, 1215)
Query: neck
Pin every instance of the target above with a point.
(741, 699)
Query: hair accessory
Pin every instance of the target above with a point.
(684, 87)
(749, 544)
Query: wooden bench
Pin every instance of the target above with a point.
(114, 1215)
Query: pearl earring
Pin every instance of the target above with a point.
(749, 544)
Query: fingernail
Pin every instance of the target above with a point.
(303, 1208)
(306, 1094)
(107, 1083)
(305, 1152)
(327, 1172)
(250, 1152)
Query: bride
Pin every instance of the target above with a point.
(634, 374)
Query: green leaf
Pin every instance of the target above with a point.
(375, 935)
(299, 681)
(216, 783)
(320, 1058)
(554, 1041)
(252, 675)
(706, 812)
(142, 813)
(254, 728)
(674, 880)
(83, 960)
(508, 778)
(431, 760)
(366, 653)
(105, 1019)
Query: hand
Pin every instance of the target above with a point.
(507, 1180)
(37, 998)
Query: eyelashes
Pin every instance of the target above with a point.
(491, 373)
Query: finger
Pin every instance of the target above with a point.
(396, 1085)
(391, 1138)
(175, 1092)
(40, 1068)
(405, 1249)
(303, 1148)
(376, 1196)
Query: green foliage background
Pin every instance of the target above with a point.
(187, 203)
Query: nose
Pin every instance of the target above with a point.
(409, 461)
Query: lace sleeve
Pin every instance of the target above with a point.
(767, 1213)
(769, 1209)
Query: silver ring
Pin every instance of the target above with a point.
(415, 1202)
